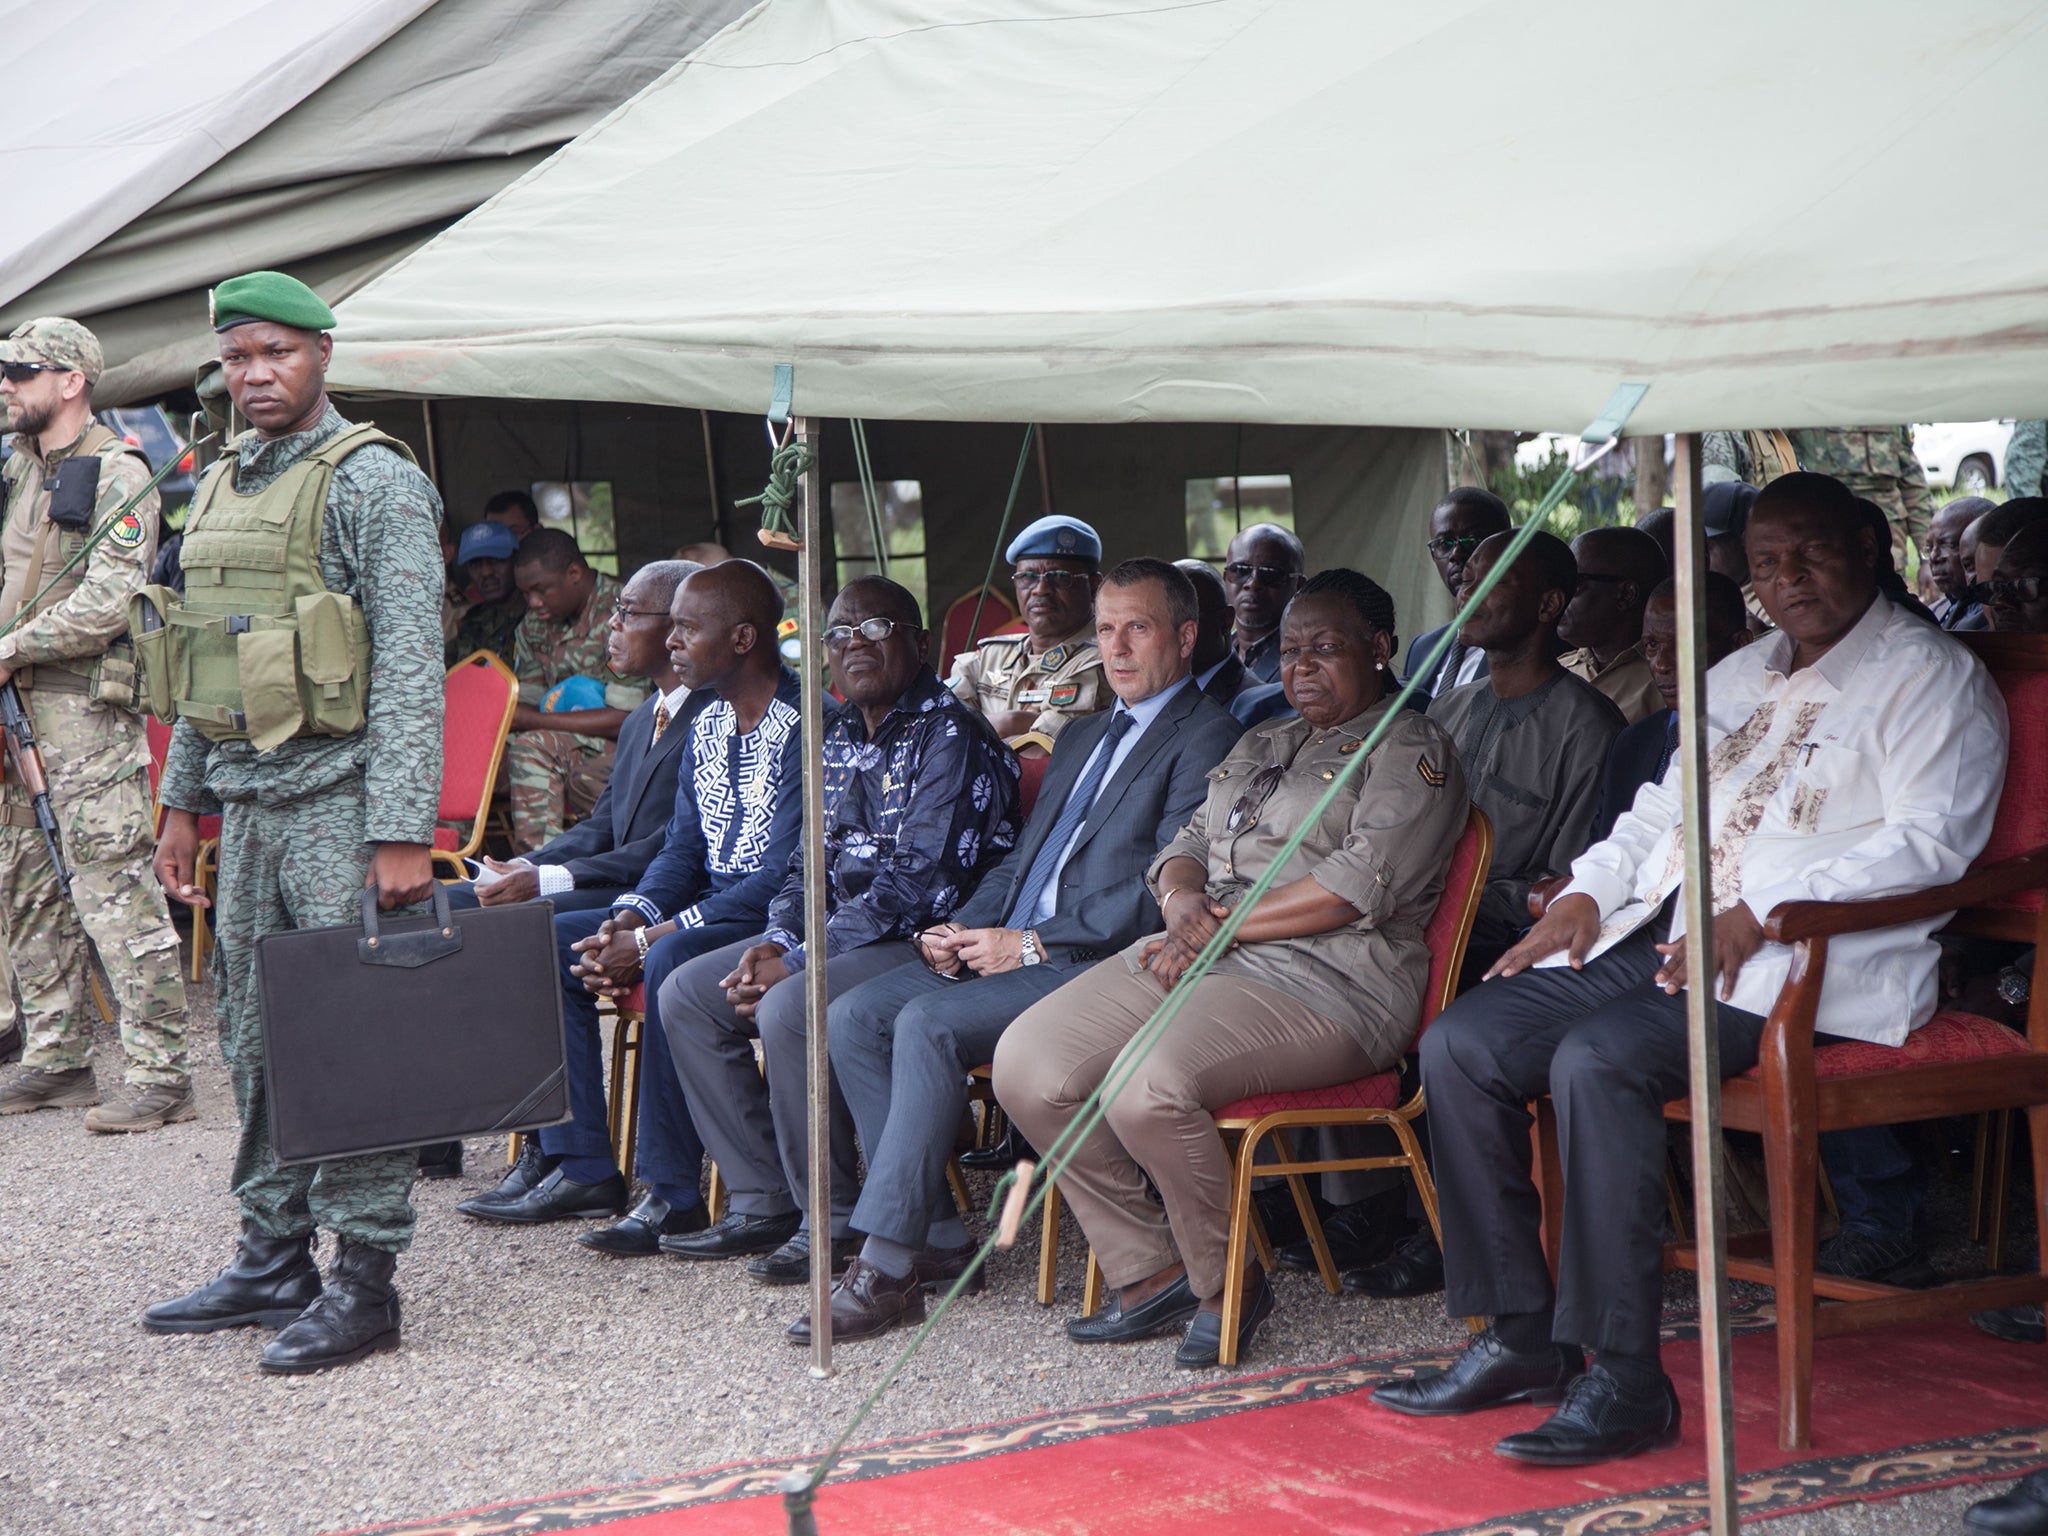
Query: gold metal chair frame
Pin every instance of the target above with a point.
(452, 857)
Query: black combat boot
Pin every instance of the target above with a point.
(270, 1281)
(356, 1315)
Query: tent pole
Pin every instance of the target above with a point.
(811, 583)
(433, 457)
(719, 530)
(1702, 1024)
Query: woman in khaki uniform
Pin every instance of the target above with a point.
(1324, 984)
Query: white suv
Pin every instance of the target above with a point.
(1965, 456)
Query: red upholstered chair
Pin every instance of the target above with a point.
(960, 630)
(205, 868)
(1374, 1100)
(1031, 767)
(480, 695)
(1956, 1064)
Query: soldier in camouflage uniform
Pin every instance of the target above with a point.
(68, 478)
(1876, 463)
(571, 702)
(309, 817)
(1052, 673)
(490, 621)
(2026, 458)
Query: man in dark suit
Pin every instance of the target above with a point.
(604, 854)
(736, 814)
(1457, 525)
(1121, 784)
(1217, 670)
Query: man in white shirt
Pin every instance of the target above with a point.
(1858, 752)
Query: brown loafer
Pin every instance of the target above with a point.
(865, 1302)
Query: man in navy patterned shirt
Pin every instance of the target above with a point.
(738, 815)
(920, 802)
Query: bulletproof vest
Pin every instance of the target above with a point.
(258, 648)
(48, 520)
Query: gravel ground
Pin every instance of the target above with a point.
(530, 1365)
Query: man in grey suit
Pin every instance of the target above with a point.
(1121, 784)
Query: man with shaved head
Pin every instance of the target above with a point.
(1855, 752)
(737, 815)
(1458, 525)
(1943, 561)
(1603, 623)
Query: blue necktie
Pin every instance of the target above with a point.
(1053, 850)
(1670, 749)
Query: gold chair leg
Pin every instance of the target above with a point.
(515, 1145)
(629, 1106)
(958, 1181)
(1049, 1246)
(1311, 1223)
(1243, 1223)
(2001, 1190)
(714, 1201)
(1091, 1287)
(1980, 1176)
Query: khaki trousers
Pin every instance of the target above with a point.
(1231, 1038)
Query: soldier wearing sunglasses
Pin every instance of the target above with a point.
(1052, 673)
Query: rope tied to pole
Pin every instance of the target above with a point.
(777, 500)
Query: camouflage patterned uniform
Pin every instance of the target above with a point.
(1876, 463)
(485, 627)
(97, 756)
(542, 765)
(2026, 458)
(1062, 683)
(299, 823)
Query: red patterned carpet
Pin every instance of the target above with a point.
(1302, 1451)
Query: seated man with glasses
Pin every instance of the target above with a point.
(2016, 596)
(1052, 673)
(920, 803)
(1264, 570)
(1458, 524)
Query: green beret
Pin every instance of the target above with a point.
(268, 296)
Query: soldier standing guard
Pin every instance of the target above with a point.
(323, 757)
(68, 477)
(1039, 680)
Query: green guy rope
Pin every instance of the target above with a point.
(868, 495)
(1009, 506)
(777, 500)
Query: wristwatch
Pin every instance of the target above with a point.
(1028, 951)
(2014, 986)
(640, 940)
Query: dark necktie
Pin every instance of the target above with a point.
(1072, 814)
(1670, 749)
(1447, 674)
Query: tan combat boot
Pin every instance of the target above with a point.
(30, 1088)
(145, 1107)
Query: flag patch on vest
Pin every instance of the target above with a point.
(127, 531)
(1062, 695)
(1432, 775)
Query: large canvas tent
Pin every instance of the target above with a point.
(329, 139)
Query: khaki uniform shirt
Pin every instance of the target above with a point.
(1001, 674)
(1627, 680)
(79, 626)
(1383, 845)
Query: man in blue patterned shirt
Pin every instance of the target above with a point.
(920, 803)
(738, 815)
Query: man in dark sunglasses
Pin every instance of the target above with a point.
(1052, 673)
(2018, 590)
(1458, 525)
(1266, 567)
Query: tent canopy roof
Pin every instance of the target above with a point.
(1471, 212)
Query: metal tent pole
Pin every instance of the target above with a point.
(811, 585)
(1702, 1025)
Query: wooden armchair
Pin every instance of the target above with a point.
(1955, 1064)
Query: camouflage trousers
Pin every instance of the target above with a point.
(296, 865)
(555, 779)
(97, 758)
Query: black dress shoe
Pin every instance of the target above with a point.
(2022, 1511)
(356, 1315)
(865, 1302)
(441, 1160)
(1361, 1233)
(1856, 1256)
(1599, 1422)
(1002, 1157)
(555, 1198)
(1116, 1325)
(638, 1234)
(1281, 1220)
(1486, 1374)
(2022, 1324)
(1202, 1343)
(791, 1263)
(1416, 1269)
(937, 1268)
(533, 1166)
(734, 1237)
(270, 1281)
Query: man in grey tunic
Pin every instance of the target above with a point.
(1533, 738)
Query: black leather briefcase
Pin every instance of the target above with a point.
(411, 1030)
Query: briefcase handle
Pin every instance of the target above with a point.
(408, 950)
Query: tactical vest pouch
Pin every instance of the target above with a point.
(267, 662)
(154, 664)
(74, 491)
(334, 660)
(112, 680)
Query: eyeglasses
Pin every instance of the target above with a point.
(1053, 581)
(1445, 547)
(1263, 575)
(874, 630)
(2026, 589)
(621, 611)
(1597, 576)
(21, 373)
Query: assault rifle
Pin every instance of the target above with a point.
(27, 760)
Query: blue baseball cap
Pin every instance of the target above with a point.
(1056, 538)
(486, 541)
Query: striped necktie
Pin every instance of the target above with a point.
(1052, 852)
(660, 720)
